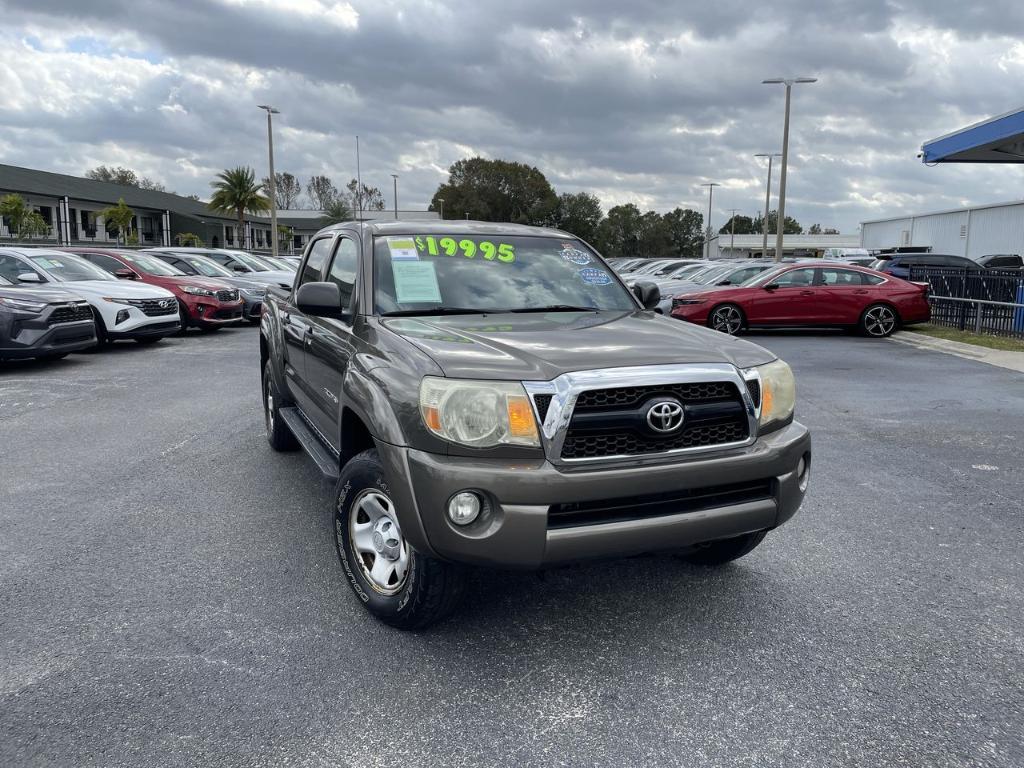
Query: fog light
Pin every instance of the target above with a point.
(463, 508)
(121, 317)
(802, 474)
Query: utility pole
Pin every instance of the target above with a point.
(767, 201)
(707, 240)
(781, 224)
(732, 230)
(273, 179)
(441, 201)
(395, 177)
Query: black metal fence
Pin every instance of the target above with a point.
(991, 301)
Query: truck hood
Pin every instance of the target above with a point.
(540, 347)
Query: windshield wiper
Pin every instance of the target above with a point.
(438, 311)
(555, 308)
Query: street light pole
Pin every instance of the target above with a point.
(441, 201)
(273, 180)
(781, 223)
(395, 177)
(732, 229)
(767, 201)
(707, 240)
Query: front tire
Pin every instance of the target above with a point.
(398, 585)
(727, 318)
(878, 321)
(719, 552)
(278, 434)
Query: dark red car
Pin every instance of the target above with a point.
(810, 295)
(205, 303)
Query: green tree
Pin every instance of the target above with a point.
(118, 219)
(496, 190)
(322, 192)
(815, 229)
(22, 221)
(655, 237)
(578, 213)
(337, 212)
(236, 192)
(792, 225)
(188, 240)
(287, 190)
(124, 176)
(686, 229)
(744, 226)
(618, 234)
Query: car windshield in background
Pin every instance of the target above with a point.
(67, 268)
(430, 274)
(279, 264)
(151, 265)
(206, 267)
(710, 275)
(256, 265)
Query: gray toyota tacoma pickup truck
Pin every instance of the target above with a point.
(493, 395)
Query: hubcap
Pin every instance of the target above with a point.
(727, 320)
(269, 407)
(879, 321)
(378, 542)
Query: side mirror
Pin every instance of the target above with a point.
(239, 267)
(125, 274)
(29, 277)
(647, 293)
(319, 300)
(771, 287)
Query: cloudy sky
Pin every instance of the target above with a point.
(638, 101)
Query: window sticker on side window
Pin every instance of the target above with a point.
(415, 281)
(402, 249)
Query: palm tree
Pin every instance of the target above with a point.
(337, 212)
(119, 216)
(236, 191)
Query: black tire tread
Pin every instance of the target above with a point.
(281, 439)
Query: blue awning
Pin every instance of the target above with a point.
(996, 140)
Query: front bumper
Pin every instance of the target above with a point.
(33, 338)
(204, 311)
(165, 328)
(516, 532)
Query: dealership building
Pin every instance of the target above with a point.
(726, 246)
(68, 205)
(971, 232)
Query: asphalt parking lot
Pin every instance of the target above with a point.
(170, 594)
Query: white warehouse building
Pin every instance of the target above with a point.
(970, 232)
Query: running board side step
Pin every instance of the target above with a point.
(314, 447)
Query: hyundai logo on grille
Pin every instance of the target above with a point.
(165, 303)
(665, 416)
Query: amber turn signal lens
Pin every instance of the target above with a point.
(432, 416)
(520, 418)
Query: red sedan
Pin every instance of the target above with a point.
(205, 302)
(810, 295)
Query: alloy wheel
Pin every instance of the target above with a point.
(879, 321)
(378, 542)
(727, 320)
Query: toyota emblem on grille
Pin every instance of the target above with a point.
(665, 416)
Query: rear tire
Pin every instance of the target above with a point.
(278, 434)
(719, 552)
(398, 585)
(878, 321)
(727, 318)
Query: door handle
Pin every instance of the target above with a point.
(806, 293)
(861, 292)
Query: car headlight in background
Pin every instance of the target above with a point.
(23, 305)
(251, 293)
(197, 291)
(778, 392)
(677, 302)
(480, 414)
(116, 300)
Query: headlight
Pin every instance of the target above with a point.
(22, 305)
(116, 300)
(196, 291)
(252, 293)
(683, 302)
(480, 414)
(778, 393)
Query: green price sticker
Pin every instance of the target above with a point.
(470, 249)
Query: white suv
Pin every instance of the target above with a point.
(123, 310)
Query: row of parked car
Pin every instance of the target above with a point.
(57, 301)
(732, 296)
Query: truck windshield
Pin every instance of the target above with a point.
(438, 274)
